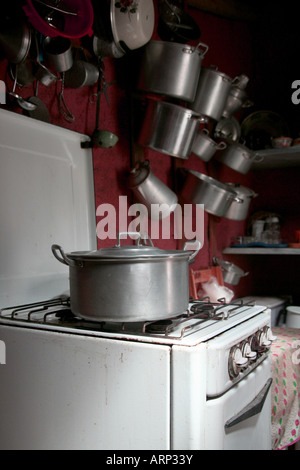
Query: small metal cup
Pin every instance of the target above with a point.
(58, 53)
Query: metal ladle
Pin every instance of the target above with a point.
(21, 101)
(102, 138)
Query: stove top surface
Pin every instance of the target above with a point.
(202, 321)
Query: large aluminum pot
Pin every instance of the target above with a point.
(205, 147)
(151, 191)
(238, 211)
(128, 283)
(202, 189)
(212, 93)
(171, 69)
(169, 128)
(239, 157)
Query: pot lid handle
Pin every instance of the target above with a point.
(137, 235)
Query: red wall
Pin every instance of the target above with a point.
(230, 49)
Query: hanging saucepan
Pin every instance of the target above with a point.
(238, 211)
(151, 191)
(174, 24)
(212, 93)
(239, 157)
(128, 283)
(82, 73)
(231, 273)
(43, 74)
(15, 40)
(205, 147)
(103, 47)
(169, 128)
(171, 69)
(237, 99)
(58, 53)
(214, 195)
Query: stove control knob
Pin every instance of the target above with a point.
(236, 361)
(248, 352)
(263, 339)
(269, 334)
(255, 344)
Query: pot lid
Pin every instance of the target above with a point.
(132, 23)
(142, 249)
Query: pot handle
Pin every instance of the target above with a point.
(204, 46)
(236, 199)
(221, 146)
(247, 104)
(197, 249)
(60, 255)
(258, 158)
(189, 50)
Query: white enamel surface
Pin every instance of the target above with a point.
(46, 197)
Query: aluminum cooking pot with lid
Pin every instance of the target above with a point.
(129, 283)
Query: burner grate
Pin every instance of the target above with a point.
(201, 313)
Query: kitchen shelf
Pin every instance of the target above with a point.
(261, 251)
(278, 158)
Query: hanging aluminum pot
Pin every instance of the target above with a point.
(171, 69)
(58, 53)
(237, 98)
(151, 191)
(214, 195)
(205, 147)
(212, 93)
(129, 283)
(239, 157)
(169, 128)
(231, 273)
(238, 211)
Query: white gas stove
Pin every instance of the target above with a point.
(195, 382)
(198, 381)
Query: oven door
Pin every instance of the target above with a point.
(240, 418)
(70, 391)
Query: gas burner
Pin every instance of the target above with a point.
(66, 315)
(160, 326)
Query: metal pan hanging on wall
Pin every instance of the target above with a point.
(169, 128)
(171, 69)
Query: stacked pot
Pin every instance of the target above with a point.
(167, 127)
(173, 129)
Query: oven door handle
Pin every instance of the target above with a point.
(253, 408)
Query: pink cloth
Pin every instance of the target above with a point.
(285, 354)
